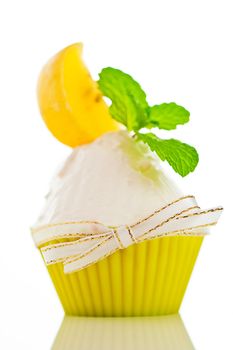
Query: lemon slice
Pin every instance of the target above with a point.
(69, 99)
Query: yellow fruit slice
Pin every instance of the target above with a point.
(69, 99)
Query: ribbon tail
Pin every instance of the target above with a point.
(100, 251)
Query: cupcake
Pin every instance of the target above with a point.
(118, 237)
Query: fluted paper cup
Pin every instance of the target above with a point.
(145, 279)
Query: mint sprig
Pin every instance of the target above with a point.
(129, 107)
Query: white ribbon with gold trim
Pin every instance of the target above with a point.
(84, 243)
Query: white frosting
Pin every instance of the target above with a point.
(114, 180)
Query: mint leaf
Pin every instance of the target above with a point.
(182, 157)
(167, 116)
(129, 105)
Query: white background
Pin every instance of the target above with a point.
(179, 51)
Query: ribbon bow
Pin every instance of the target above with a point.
(85, 243)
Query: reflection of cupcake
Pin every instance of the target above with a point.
(161, 333)
(119, 238)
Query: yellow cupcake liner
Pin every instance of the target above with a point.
(145, 279)
(164, 332)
